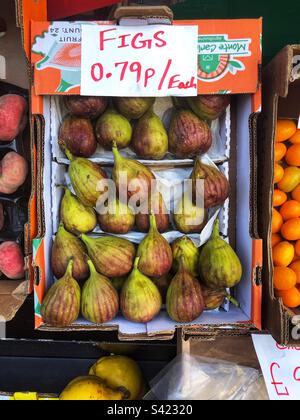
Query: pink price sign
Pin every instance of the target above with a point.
(139, 61)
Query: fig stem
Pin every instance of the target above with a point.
(216, 230)
(116, 152)
(233, 301)
(153, 224)
(136, 263)
(91, 266)
(69, 155)
(70, 267)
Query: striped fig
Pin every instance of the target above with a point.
(116, 218)
(209, 107)
(86, 178)
(65, 247)
(185, 301)
(185, 247)
(100, 300)
(133, 108)
(213, 298)
(219, 266)
(112, 256)
(140, 298)
(113, 127)
(216, 185)
(77, 135)
(86, 106)
(189, 218)
(61, 306)
(155, 253)
(156, 205)
(188, 135)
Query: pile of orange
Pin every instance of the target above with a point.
(286, 214)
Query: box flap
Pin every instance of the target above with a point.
(12, 297)
(143, 12)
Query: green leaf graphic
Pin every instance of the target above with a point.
(236, 64)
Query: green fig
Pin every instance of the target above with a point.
(150, 139)
(134, 108)
(77, 218)
(65, 247)
(185, 247)
(100, 300)
(185, 301)
(86, 178)
(155, 253)
(131, 176)
(140, 298)
(219, 266)
(61, 305)
(113, 127)
(189, 218)
(112, 256)
(116, 218)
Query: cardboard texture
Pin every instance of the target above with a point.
(281, 100)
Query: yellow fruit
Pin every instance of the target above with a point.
(90, 388)
(121, 372)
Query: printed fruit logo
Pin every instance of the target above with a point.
(219, 55)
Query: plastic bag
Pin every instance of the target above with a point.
(197, 378)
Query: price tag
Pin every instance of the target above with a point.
(155, 60)
(280, 366)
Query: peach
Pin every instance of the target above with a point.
(12, 261)
(2, 221)
(13, 118)
(13, 172)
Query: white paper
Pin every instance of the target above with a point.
(280, 366)
(156, 60)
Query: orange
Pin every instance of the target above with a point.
(290, 180)
(284, 278)
(296, 194)
(292, 157)
(295, 266)
(291, 230)
(280, 151)
(279, 198)
(285, 130)
(290, 210)
(283, 254)
(296, 258)
(291, 298)
(277, 222)
(297, 248)
(295, 139)
(278, 173)
(276, 239)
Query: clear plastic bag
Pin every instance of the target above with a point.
(197, 378)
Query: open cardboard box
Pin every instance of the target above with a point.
(239, 217)
(281, 82)
(15, 78)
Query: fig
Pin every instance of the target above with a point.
(76, 217)
(65, 247)
(113, 127)
(185, 247)
(134, 108)
(61, 305)
(116, 218)
(163, 284)
(216, 185)
(189, 218)
(209, 107)
(100, 300)
(219, 266)
(140, 298)
(86, 106)
(155, 253)
(185, 301)
(156, 206)
(132, 177)
(213, 298)
(150, 139)
(112, 256)
(77, 135)
(188, 135)
(118, 282)
(86, 178)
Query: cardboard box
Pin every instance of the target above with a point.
(239, 216)
(281, 100)
(16, 80)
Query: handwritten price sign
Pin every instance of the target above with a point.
(280, 366)
(139, 61)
